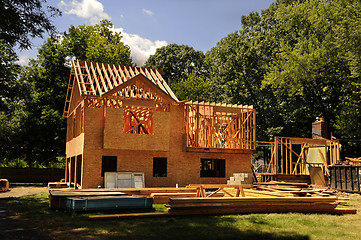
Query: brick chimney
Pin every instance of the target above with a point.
(319, 129)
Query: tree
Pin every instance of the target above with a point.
(97, 43)
(177, 61)
(237, 66)
(313, 63)
(194, 87)
(24, 19)
(43, 129)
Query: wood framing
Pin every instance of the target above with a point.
(211, 125)
(127, 119)
(100, 79)
(291, 155)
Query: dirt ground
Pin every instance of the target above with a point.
(13, 227)
(18, 191)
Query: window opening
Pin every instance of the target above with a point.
(109, 164)
(159, 167)
(213, 167)
(138, 120)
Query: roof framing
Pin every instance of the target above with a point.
(105, 80)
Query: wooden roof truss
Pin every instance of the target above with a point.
(102, 80)
(211, 125)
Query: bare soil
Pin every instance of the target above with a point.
(18, 191)
(13, 227)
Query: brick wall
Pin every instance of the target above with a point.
(168, 141)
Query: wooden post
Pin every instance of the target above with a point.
(276, 155)
(282, 157)
(290, 164)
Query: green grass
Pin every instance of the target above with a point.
(65, 225)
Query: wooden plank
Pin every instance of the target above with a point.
(101, 77)
(129, 215)
(96, 80)
(93, 76)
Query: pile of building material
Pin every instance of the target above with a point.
(197, 206)
(105, 203)
(4, 185)
(58, 197)
(240, 205)
(285, 189)
(162, 198)
(238, 179)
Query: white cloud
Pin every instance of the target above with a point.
(150, 13)
(88, 9)
(23, 59)
(141, 48)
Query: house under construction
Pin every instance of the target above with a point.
(127, 119)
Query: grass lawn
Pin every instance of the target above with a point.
(65, 225)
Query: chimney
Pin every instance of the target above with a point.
(319, 128)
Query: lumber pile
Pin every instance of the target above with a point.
(351, 161)
(239, 205)
(162, 198)
(286, 189)
(243, 205)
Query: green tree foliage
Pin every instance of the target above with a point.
(195, 87)
(43, 129)
(318, 61)
(177, 61)
(97, 43)
(22, 20)
(237, 66)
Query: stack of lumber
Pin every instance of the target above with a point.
(198, 206)
(162, 198)
(285, 189)
(239, 205)
(351, 161)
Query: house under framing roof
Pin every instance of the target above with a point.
(127, 119)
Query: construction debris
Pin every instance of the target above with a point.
(102, 203)
(240, 205)
(263, 197)
(350, 161)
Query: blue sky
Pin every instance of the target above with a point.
(149, 24)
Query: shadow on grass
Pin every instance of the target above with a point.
(198, 227)
(65, 225)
